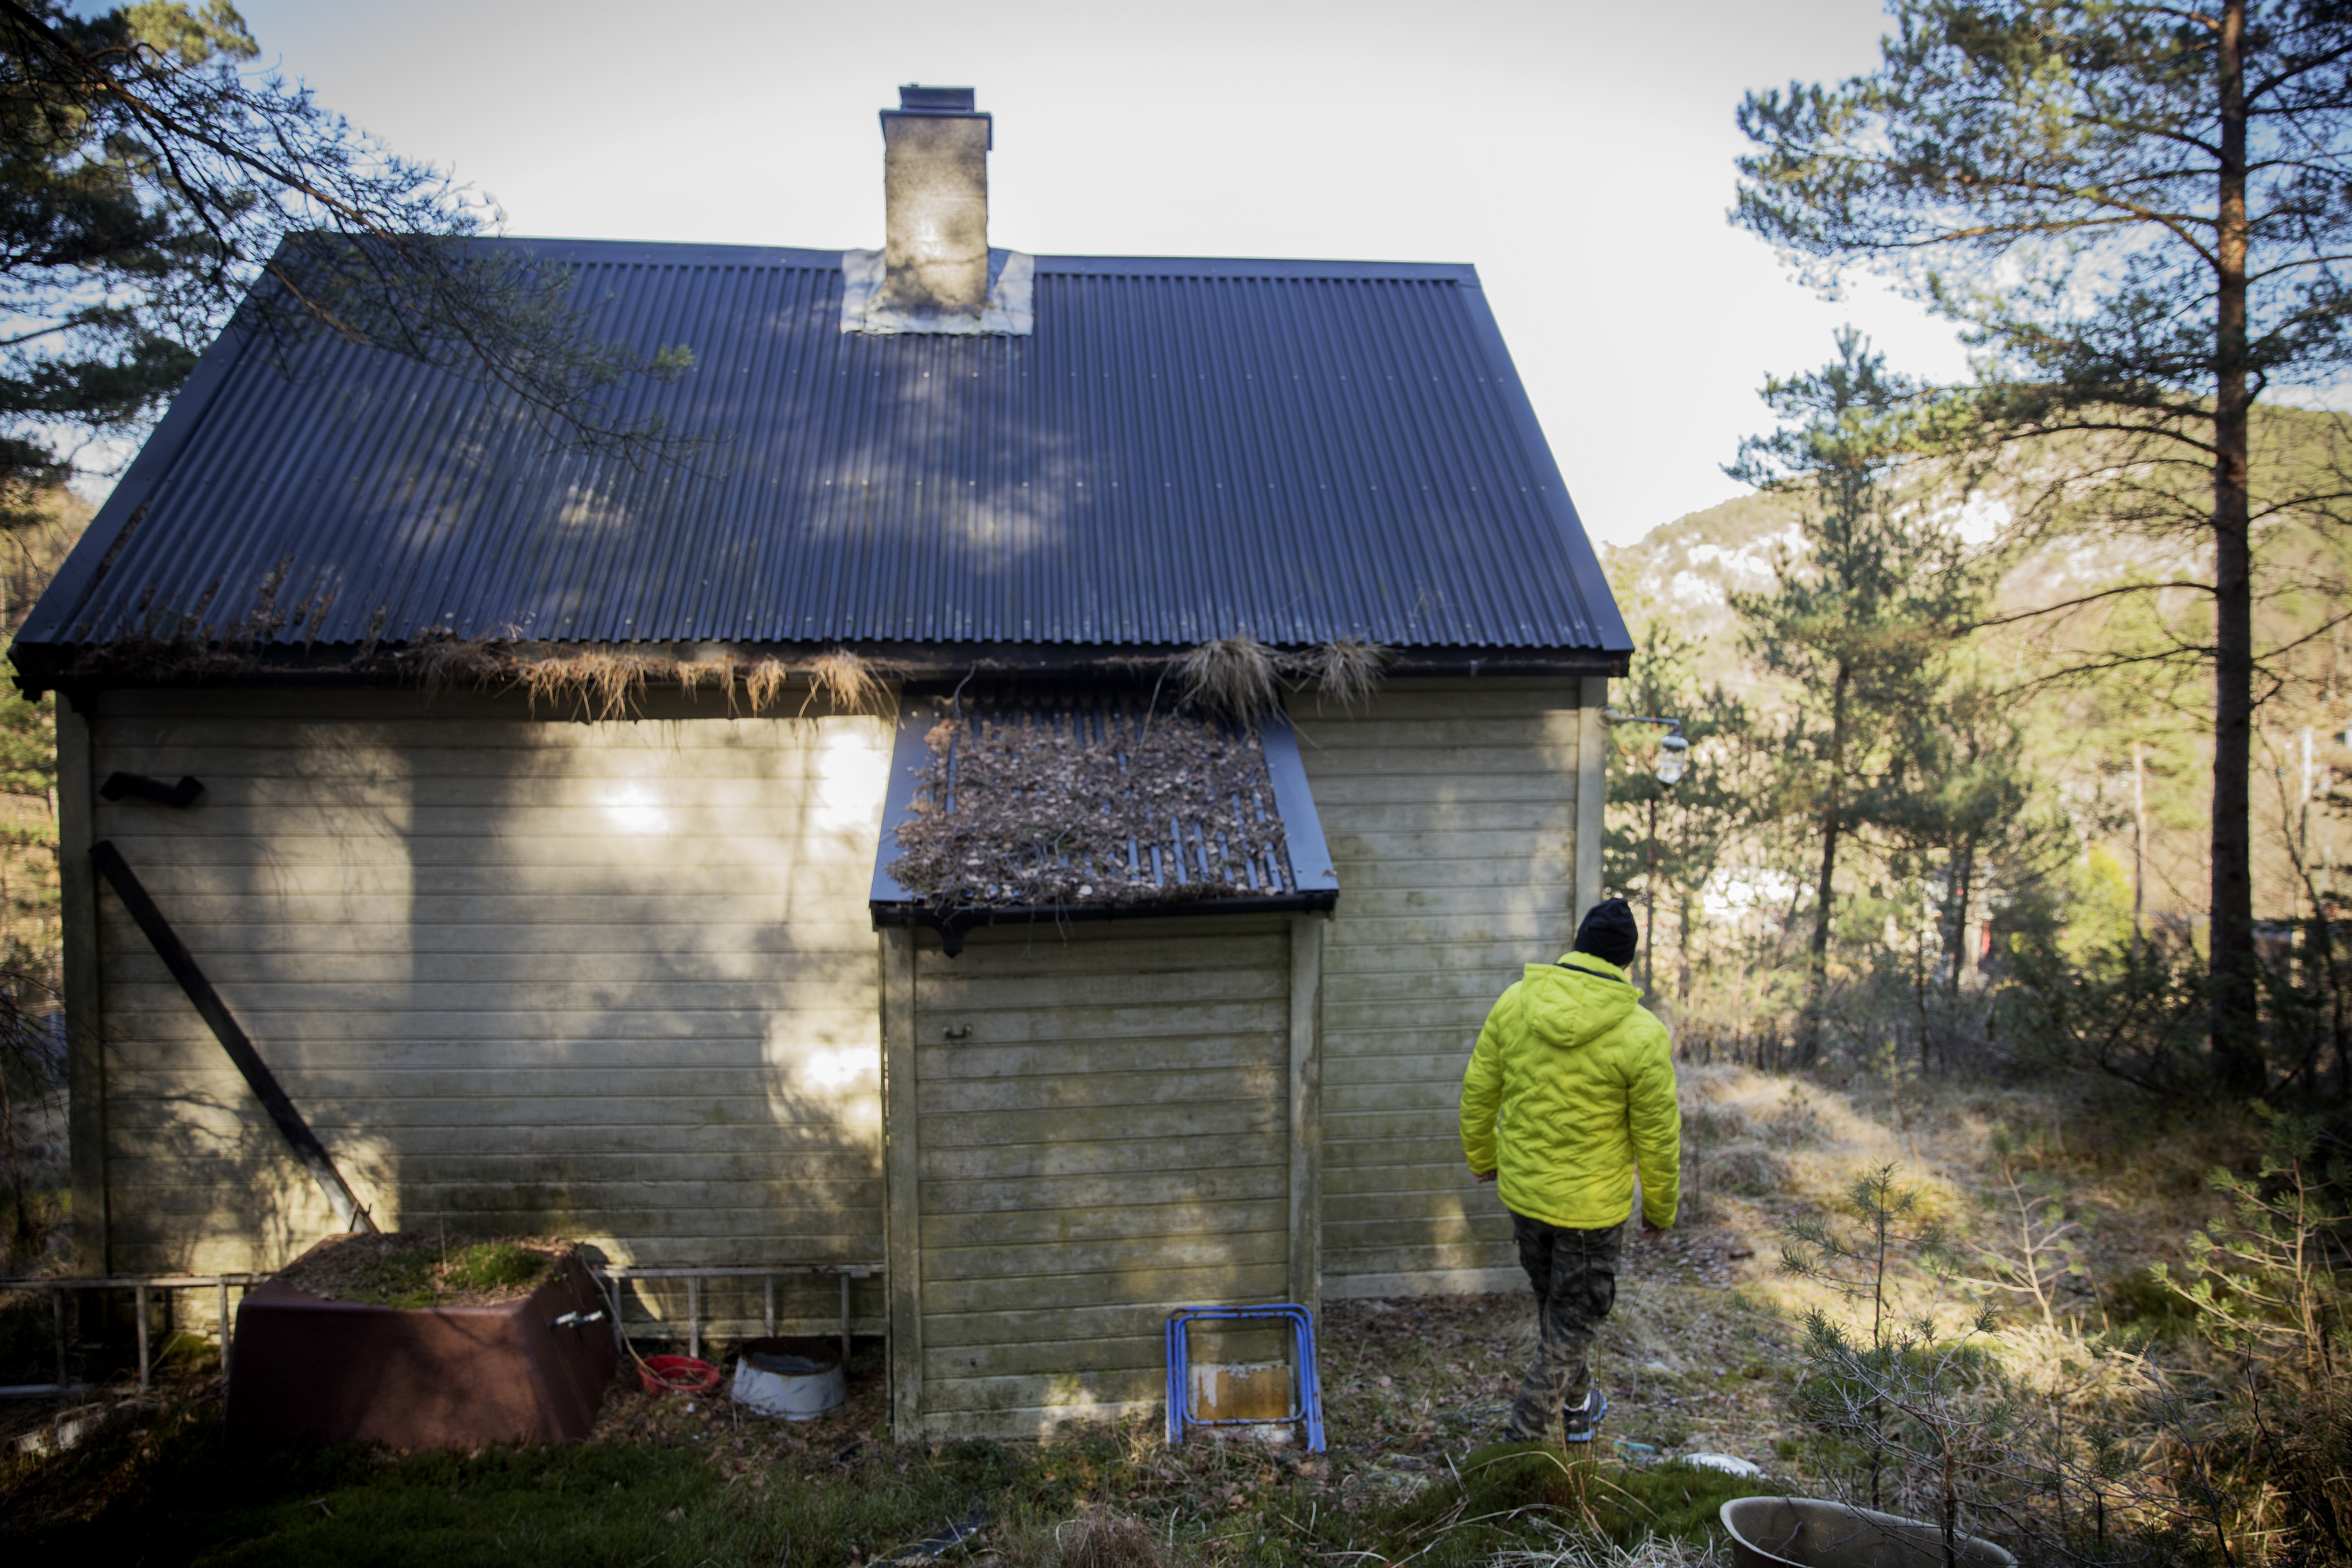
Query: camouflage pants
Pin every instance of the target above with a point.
(1574, 1273)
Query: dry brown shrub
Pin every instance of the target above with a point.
(847, 681)
(1751, 1172)
(1348, 671)
(764, 682)
(445, 663)
(1236, 677)
(600, 685)
(1108, 1542)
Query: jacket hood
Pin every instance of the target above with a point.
(1576, 1001)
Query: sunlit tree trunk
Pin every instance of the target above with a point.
(1832, 818)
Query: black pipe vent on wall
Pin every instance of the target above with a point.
(181, 794)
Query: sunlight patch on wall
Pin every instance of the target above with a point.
(634, 809)
(853, 763)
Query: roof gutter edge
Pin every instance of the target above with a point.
(954, 924)
(43, 667)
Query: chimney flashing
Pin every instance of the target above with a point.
(1008, 312)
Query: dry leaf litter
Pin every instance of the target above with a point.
(1090, 805)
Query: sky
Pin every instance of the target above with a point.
(1580, 155)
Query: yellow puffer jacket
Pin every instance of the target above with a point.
(1575, 1079)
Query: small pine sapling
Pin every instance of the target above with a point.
(1908, 1394)
(2043, 1245)
(1913, 1401)
(2269, 1287)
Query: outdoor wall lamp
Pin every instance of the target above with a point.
(1673, 748)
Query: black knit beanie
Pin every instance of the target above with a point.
(1608, 932)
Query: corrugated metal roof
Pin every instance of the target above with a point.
(1182, 450)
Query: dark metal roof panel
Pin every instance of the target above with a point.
(1185, 450)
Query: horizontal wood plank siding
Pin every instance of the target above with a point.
(1102, 1132)
(615, 981)
(1450, 807)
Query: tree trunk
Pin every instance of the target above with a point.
(1817, 979)
(1964, 885)
(1650, 895)
(2235, 1022)
(1919, 987)
(1682, 947)
(2139, 853)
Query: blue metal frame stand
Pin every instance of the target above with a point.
(1307, 1403)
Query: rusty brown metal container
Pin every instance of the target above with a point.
(420, 1377)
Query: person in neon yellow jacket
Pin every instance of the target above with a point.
(1570, 1092)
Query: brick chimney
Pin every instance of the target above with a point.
(935, 186)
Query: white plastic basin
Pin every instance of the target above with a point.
(792, 1379)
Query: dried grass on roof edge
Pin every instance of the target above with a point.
(1241, 678)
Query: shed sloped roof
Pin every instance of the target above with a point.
(1182, 450)
(1092, 802)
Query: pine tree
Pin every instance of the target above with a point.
(2141, 211)
(1666, 841)
(1861, 617)
(154, 185)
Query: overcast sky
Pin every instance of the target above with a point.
(1579, 155)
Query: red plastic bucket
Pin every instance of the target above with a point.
(676, 1374)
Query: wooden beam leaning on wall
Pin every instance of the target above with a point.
(1306, 1111)
(902, 1174)
(85, 1025)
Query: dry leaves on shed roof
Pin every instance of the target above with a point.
(1090, 805)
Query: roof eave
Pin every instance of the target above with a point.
(953, 924)
(42, 667)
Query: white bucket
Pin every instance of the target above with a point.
(796, 1379)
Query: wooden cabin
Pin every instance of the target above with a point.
(606, 851)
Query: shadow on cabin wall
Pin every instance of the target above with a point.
(612, 981)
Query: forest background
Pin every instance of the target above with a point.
(2024, 879)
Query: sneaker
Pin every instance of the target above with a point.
(1576, 1422)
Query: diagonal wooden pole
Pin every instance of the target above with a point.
(215, 1012)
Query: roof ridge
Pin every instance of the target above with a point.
(720, 253)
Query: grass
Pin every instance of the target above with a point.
(1697, 1357)
(170, 1489)
(182, 1494)
(424, 1278)
(1501, 1490)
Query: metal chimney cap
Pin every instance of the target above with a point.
(935, 99)
(938, 103)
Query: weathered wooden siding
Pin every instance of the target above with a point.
(610, 980)
(1451, 811)
(1110, 1140)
